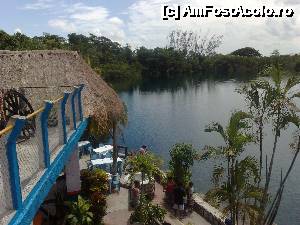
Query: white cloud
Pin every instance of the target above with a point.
(39, 5)
(62, 24)
(17, 30)
(81, 18)
(86, 13)
(146, 26)
(116, 21)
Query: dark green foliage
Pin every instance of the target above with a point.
(272, 101)
(297, 67)
(50, 41)
(93, 180)
(94, 187)
(6, 41)
(148, 164)
(110, 59)
(164, 63)
(147, 213)
(98, 206)
(192, 43)
(184, 57)
(121, 71)
(20, 41)
(80, 213)
(246, 52)
(242, 186)
(182, 159)
(234, 66)
(234, 179)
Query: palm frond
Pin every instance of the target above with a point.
(292, 82)
(211, 152)
(218, 174)
(216, 127)
(236, 123)
(289, 118)
(296, 95)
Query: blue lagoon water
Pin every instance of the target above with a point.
(162, 114)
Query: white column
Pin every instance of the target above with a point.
(72, 171)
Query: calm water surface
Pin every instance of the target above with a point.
(162, 114)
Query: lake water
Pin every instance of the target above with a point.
(162, 114)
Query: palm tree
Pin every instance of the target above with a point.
(234, 181)
(281, 111)
(259, 103)
(272, 101)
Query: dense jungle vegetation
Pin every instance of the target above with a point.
(187, 54)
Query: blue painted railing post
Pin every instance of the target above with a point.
(12, 157)
(74, 105)
(80, 102)
(63, 115)
(44, 125)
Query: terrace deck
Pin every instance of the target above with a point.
(29, 167)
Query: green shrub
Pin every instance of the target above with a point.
(92, 181)
(182, 159)
(247, 52)
(148, 164)
(147, 213)
(80, 213)
(94, 186)
(98, 206)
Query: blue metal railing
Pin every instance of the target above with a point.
(51, 168)
(12, 158)
(44, 126)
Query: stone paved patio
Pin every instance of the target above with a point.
(118, 212)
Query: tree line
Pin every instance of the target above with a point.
(186, 54)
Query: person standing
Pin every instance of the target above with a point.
(135, 194)
(143, 149)
(170, 191)
(190, 192)
(179, 194)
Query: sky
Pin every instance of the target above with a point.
(140, 23)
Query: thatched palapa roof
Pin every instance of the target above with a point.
(58, 68)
